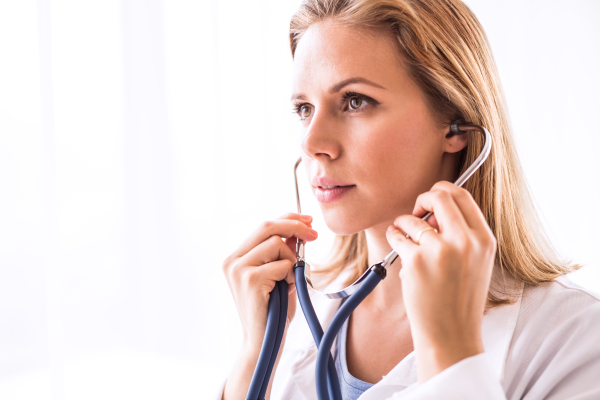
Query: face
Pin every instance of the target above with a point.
(366, 126)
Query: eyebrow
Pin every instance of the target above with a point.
(338, 86)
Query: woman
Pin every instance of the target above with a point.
(478, 309)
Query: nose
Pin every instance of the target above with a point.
(320, 139)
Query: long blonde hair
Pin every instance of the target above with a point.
(448, 55)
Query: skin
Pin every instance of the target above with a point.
(432, 301)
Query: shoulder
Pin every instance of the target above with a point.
(554, 348)
(558, 303)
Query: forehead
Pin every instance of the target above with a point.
(329, 52)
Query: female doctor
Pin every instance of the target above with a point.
(477, 308)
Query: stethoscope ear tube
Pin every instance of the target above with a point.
(276, 318)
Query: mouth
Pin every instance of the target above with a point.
(328, 194)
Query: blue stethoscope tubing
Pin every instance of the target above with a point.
(328, 386)
(375, 275)
(276, 318)
(331, 382)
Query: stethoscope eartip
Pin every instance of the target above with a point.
(454, 128)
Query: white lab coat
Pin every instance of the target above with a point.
(544, 346)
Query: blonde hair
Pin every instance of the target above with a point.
(448, 55)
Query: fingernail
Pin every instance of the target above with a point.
(391, 228)
(306, 217)
(314, 233)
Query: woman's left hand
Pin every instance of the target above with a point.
(446, 277)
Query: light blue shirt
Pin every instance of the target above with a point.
(351, 386)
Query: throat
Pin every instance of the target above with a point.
(367, 359)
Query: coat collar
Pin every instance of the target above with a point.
(497, 330)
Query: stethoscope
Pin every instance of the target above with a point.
(328, 386)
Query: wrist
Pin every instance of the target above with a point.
(250, 350)
(434, 358)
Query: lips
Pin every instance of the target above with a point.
(325, 182)
(333, 194)
(329, 189)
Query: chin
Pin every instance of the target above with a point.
(343, 223)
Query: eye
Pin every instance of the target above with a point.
(355, 102)
(305, 111)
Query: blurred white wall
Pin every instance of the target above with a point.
(142, 140)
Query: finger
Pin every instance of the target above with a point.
(307, 219)
(282, 227)
(440, 202)
(402, 245)
(292, 287)
(433, 222)
(466, 203)
(291, 243)
(273, 248)
(276, 271)
(413, 225)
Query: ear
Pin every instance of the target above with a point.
(455, 143)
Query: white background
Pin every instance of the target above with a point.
(141, 141)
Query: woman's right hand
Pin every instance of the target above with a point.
(265, 257)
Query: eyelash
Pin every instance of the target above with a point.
(347, 96)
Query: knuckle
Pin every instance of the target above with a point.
(250, 277)
(494, 240)
(400, 221)
(417, 257)
(226, 266)
(288, 264)
(266, 225)
(275, 239)
(460, 239)
(462, 192)
(282, 247)
(297, 224)
(288, 215)
(442, 185)
(233, 270)
(415, 224)
(487, 243)
(492, 245)
(437, 186)
(443, 195)
(467, 246)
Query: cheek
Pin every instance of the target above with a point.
(393, 157)
(388, 150)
